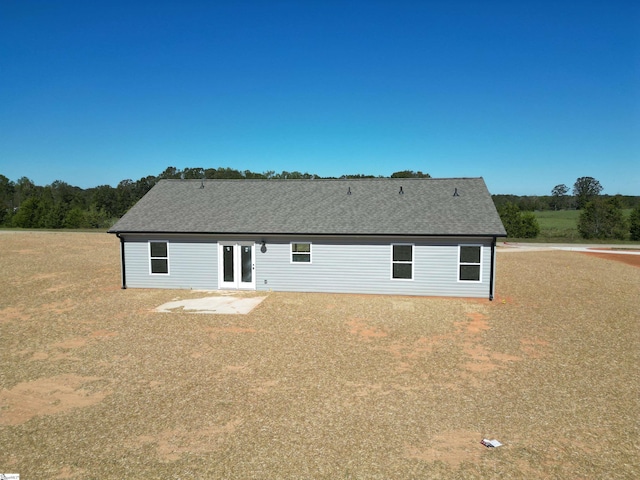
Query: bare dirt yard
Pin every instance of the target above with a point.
(95, 384)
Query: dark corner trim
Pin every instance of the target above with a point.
(124, 270)
(493, 256)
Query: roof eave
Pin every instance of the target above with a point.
(318, 234)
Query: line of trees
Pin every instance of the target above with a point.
(60, 205)
(560, 199)
(601, 216)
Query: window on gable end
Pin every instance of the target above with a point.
(470, 263)
(159, 258)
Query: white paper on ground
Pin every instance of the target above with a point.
(491, 443)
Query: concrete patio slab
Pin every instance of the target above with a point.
(216, 304)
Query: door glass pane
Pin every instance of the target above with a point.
(227, 257)
(246, 263)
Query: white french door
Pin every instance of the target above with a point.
(236, 265)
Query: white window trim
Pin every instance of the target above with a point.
(291, 252)
(460, 263)
(412, 262)
(167, 257)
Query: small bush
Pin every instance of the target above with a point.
(529, 225)
(517, 223)
(602, 219)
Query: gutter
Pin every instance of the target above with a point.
(122, 261)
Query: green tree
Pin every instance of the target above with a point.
(602, 219)
(530, 203)
(500, 200)
(97, 218)
(250, 174)
(105, 198)
(410, 174)
(529, 225)
(24, 189)
(7, 192)
(140, 188)
(63, 193)
(559, 197)
(517, 223)
(27, 214)
(75, 218)
(357, 175)
(55, 202)
(51, 214)
(193, 173)
(585, 189)
(295, 175)
(170, 173)
(634, 223)
(125, 196)
(228, 173)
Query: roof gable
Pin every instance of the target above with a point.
(453, 206)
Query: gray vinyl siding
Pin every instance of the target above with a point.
(193, 263)
(339, 264)
(344, 266)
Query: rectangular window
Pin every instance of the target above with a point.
(159, 257)
(402, 262)
(301, 253)
(470, 263)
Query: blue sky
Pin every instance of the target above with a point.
(527, 95)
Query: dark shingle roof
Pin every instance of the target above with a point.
(373, 207)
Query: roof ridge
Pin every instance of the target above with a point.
(315, 179)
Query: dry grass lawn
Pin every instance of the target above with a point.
(94, 384)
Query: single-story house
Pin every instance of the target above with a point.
(404, 236)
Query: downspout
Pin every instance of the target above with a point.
(124, 271)
(493, 261)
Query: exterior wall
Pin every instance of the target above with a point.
(341, 265)
(193, 263)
